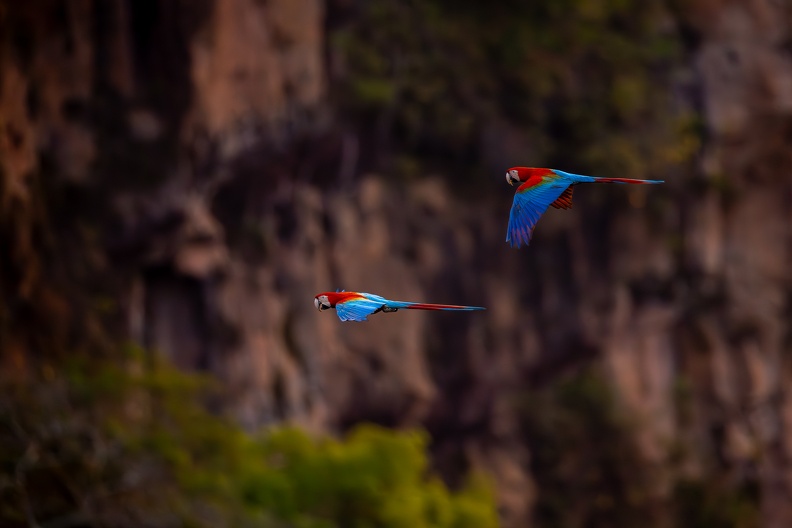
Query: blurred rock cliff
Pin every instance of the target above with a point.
(192, 172)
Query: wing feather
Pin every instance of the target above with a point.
(357, 309)
(565, 200)
(528, 206)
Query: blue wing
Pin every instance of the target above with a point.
(359, 309)
(528, 206)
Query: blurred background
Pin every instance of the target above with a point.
(179, 178)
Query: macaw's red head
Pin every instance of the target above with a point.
(322, 302)
(327, 300)
(521, 174)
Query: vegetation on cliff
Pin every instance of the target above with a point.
(128, 444)
(585, 452)
(573, 83)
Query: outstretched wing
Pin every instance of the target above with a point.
(358, 309)
(529, 204)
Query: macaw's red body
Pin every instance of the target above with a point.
(357, 306)
(539, 189)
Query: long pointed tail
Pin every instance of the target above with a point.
(624, 180)
(427, 306)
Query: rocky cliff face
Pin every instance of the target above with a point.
(738, 243)
(202, 138)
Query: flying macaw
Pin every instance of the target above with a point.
(541, 188)
(357, 306)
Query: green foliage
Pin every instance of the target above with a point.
(588, 81)
(374, 478)
(589, 471)
(701, 504)
(128, 444)
(587, 468)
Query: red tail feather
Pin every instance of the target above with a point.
(625, 180)
(426, 306)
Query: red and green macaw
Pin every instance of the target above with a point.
(542, 188)
(357, 306)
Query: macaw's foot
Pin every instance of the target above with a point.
(385, 309)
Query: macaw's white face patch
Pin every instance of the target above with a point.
(322, 303)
